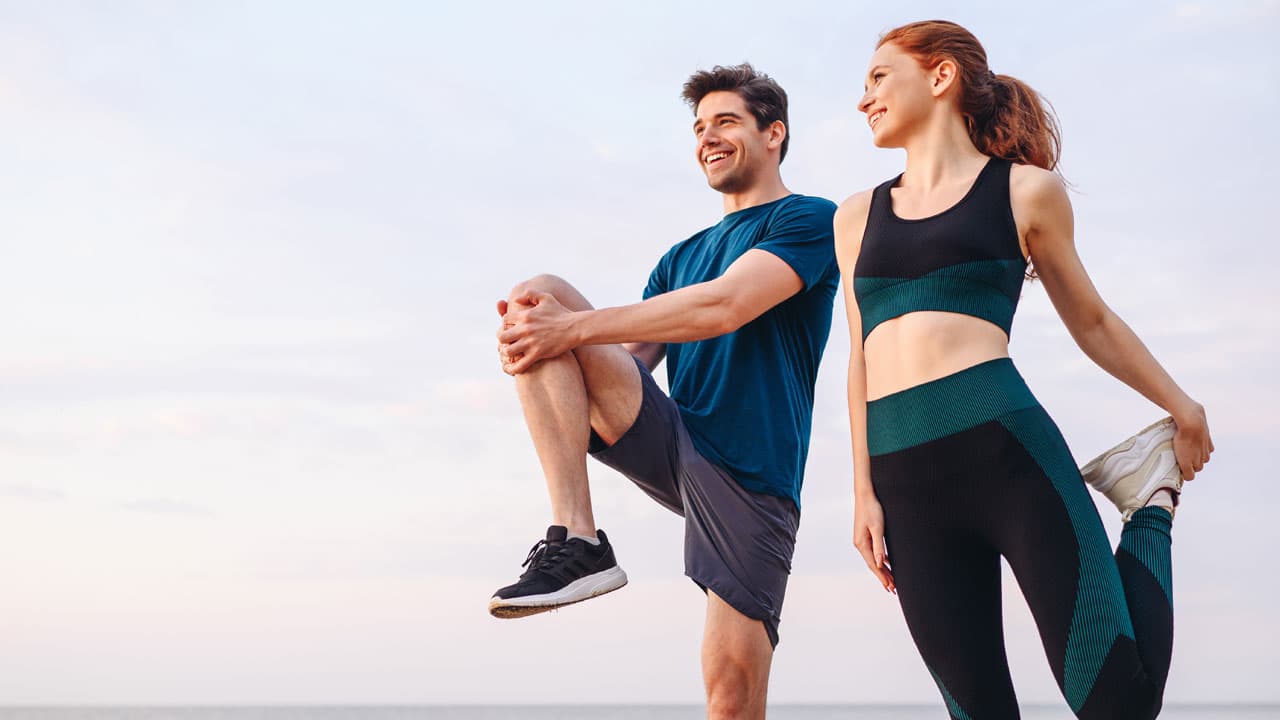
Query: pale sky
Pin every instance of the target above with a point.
(254, 443)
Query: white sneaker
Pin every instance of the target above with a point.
(1131, 472)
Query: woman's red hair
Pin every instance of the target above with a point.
(1005, 117)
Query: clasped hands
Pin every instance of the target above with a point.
(535, 327)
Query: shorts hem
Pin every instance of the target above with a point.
(733, 599)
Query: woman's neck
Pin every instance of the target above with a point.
(941, 153)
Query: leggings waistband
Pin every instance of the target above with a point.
(948, 405)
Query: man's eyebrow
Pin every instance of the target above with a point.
(717, 116)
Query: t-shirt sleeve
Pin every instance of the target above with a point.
(658, 281)
(801, 234)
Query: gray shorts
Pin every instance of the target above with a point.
(737, 543)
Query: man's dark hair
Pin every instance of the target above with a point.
(766, 100)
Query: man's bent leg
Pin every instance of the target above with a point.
(562, 398)
(736, 656)
(595, 386)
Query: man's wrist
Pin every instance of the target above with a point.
(579, 327)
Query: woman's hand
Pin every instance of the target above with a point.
(868, 538)
(1191, 442)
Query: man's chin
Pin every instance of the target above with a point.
(728, 184)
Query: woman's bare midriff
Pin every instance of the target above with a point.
(921, 346)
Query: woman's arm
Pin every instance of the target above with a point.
(1043, 214)
(868, 517)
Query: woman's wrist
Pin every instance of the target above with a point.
(1188, 413)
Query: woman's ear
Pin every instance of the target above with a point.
(943, 77)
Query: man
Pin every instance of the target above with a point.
(741, 311)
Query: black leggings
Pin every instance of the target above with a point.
(969, 468)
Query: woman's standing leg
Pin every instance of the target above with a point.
(948, 582)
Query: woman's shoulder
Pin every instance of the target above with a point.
(1033, 183)
(851, 221)
(855, 206)
(1038, 199)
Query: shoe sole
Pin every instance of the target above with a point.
(585, 588)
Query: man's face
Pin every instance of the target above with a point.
(732, 150)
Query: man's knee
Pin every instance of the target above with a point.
(538, 283)
(734, 686)
(564, 293)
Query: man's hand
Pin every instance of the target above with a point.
(535, 327)
(504, 358)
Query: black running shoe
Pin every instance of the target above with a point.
(561, 572)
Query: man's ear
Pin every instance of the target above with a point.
(777, 133)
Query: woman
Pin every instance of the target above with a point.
(955, 463)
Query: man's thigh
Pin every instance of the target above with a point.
(609, 371)
(613, 385)
(738, 636)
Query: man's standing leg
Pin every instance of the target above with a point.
(563, 398)
(736, 656)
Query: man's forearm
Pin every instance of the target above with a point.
(693, 313)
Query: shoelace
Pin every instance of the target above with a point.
(544, 554)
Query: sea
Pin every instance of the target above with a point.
(583, 712)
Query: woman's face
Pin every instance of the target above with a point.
(898, 96)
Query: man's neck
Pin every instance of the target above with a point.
(765, 191)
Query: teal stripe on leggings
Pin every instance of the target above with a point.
(953, 707)
(1100, 600)
(1148, 537)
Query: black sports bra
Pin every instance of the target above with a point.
(966, 259)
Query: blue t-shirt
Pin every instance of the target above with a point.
(747, 396)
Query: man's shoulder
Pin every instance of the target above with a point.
(797, 211)
(808, 204)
